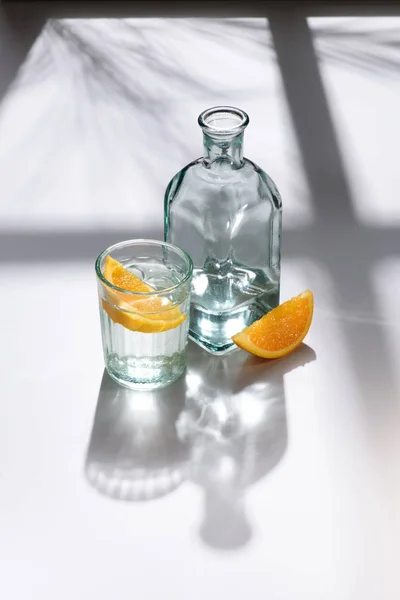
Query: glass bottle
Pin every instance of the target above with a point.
(225, 212)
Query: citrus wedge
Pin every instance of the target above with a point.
(121, 277)
(147, 314)
(280, 331)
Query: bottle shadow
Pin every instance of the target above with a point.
(235, 423)
(222, 426)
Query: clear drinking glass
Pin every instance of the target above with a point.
(145, 333)
(226, 213)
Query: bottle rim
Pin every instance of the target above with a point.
(223, 120)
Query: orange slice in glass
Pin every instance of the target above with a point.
(148, 314)
(280, 331)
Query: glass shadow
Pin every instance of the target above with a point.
(134, 453)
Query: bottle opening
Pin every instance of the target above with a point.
(223, 120)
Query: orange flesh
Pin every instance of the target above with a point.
(121, 277)
(281, 330)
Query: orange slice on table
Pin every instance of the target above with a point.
(280, 331)
(148, 314)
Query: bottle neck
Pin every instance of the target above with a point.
(223, 153)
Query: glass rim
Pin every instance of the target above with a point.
(150, 242)
(230, 110)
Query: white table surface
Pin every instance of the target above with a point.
(271, 481)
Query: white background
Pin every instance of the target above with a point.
(87, 146)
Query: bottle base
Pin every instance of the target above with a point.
(211, 348)
(213, 330)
